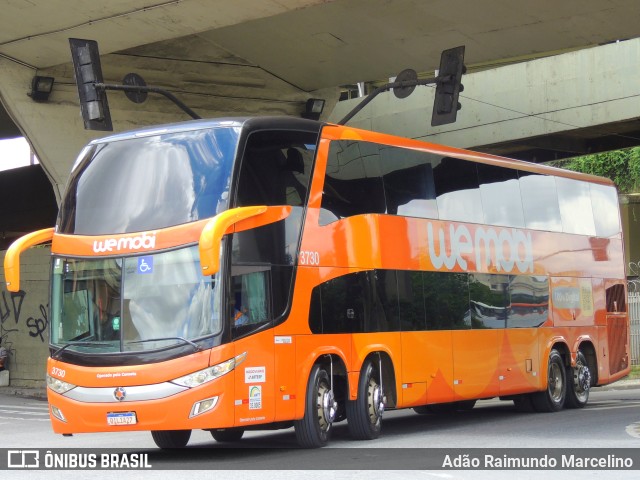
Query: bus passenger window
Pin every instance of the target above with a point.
(458, 192)
(500, 192)
(490, 300)
(540, 202)
(276, 168)
(408, 182)
(353, 181)
(382, 302)
(604, 200)
(529, 301)
(446, 299)
(575, 206)
(411, 301)
(339, 304)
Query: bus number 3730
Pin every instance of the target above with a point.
(309, 258)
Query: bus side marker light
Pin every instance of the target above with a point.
(203, 406)
(56, 412)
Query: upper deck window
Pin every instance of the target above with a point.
(150, 182)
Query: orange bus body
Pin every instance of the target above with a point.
(271, 379)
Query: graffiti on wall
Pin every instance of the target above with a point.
(11, 306)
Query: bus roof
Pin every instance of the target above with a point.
(258, 123)
(295, 123)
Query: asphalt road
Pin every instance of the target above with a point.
(610, 420)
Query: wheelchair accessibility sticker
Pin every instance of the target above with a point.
(145, 264)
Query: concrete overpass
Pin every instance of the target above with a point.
(252, 57)
(547, 79)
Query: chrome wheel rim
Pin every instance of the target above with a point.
(555, 382)
(326, 406)
(375, 401)
(581, 381)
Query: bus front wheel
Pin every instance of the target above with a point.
(227, 434)
(553, 397)
(578, 382)
(314, 429)
(171, 438)
(364, 415)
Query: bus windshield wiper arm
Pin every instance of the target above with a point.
(197, 347)
(79, 344)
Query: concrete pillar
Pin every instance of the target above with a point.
(24, 322)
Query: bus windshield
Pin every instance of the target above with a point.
(150, 182)
(134, 303)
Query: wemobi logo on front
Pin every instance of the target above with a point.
(502, 248)
(139, 242)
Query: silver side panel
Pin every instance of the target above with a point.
(133, 394)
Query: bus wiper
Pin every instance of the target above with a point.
(196, 347)
(57, 353)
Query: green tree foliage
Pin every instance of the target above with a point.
(621, 166)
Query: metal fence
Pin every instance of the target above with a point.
(634, 320)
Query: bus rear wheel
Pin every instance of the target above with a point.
(364, 415)
(553, 397)
(171, 438)
(314, 429)
(523, 403)
(578, 382)
(227, 434)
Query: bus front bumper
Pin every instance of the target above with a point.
(150, 407)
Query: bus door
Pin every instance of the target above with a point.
(254, 377)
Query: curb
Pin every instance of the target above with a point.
(621, 385)
(32, 393)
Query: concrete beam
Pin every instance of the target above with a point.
(55, 129)
(590, 88)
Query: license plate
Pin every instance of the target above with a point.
(122, 418)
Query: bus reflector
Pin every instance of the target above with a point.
(56, 412)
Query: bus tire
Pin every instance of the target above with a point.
(523, 403)
(227, 434)
(553, 397)
(314, 429)
(171, 438)
(364, 415)
(578, 383)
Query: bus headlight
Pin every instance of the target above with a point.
(58, 385)
(201, 377)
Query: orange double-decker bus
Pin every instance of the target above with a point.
(255, 273)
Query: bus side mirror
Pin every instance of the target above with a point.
(221, 224)
(12, 257)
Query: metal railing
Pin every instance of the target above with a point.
(634, 320)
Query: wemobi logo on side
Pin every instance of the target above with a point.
(501, 248)
(139, 242)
